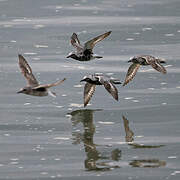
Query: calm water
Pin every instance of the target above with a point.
(56, 138)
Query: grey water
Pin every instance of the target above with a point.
(45, 138)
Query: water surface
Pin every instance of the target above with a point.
(56, 138)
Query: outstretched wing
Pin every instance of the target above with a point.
(88, 92)
(110, 88)
(157, 66)
(75, 42)
(91, 43)
(27, 72)
(131, 72)
(50, 85)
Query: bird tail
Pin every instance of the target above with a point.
(115, 81)
(161, 61)
(53, 94)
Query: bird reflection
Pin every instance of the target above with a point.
(129, 138)
(128, 131)
(148, 163)
(96, 158)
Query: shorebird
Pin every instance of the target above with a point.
(99, 79)
(85, 53)
(144, 60)
(33, 87)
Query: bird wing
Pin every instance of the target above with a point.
(88, 92)
(91, 43)
(131, 72)
(110, 88)
(27, 72)
(50, 85)
(157, 66)
(75, 42)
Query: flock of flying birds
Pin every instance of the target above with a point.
(85, 53)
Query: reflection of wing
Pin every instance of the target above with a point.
(90, 44)
(75, 42)
(88, 92)
(131, 73)
(157, 66)
(27, 72)
(50, 85)
(129, 133)
(111, 89)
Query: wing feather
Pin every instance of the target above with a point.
(131, 73)
(88, 92)
(50, 85)
(157, 66)
(91, 43)
(27, 71)
(111, 89)
(75, 42)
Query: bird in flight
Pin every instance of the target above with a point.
(85, 53)
(33, 87)
(143, 60)
(99, 79)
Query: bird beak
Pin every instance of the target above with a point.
(82, 80)
(69, 55)
(129, 61)
(19, 92)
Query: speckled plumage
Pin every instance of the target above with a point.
(85, 53)
(143, 60)
(99, 79)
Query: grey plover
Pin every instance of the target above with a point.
(143, 60)
(99, 79)
(85, 53)
(33, 87)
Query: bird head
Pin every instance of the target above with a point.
(72, 55)
(133, 59)
(86, 79)
(22, 90)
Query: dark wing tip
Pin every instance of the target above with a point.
(126, 81)
(20, 56)
(107, 33)
(86, 101)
